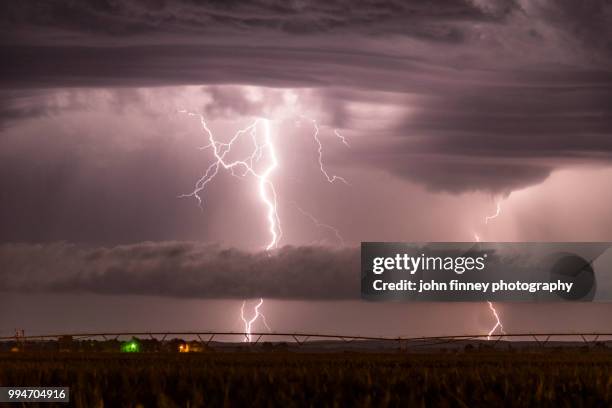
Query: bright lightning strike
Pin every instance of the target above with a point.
(498, 323)
(262, 145)
(267, 192)
(319, 224)
(315, 136)
(248, 323)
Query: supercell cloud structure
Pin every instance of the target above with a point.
(458, 97)
(497, 94)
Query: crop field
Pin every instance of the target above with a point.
(546, 378)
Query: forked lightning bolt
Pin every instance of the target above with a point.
(498, 323)
(267, 192)
(315, 136)
(263, 145)
(248, 323)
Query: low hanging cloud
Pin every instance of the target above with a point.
(181, 269)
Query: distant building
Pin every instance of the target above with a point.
(192, 347)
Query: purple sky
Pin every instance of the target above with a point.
(448, 108)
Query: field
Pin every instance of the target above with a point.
(549, 378)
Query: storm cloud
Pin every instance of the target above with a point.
(456, 96)
(181, 269)
(487, 80)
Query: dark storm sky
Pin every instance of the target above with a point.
(449, 106)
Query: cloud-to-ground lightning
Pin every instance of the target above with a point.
(267, 192)
(248, 323)
(319, 224)
(498, 323)
(263, 149)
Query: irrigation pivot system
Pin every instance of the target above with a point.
(300, 339)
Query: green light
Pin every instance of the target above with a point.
(132, 346)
